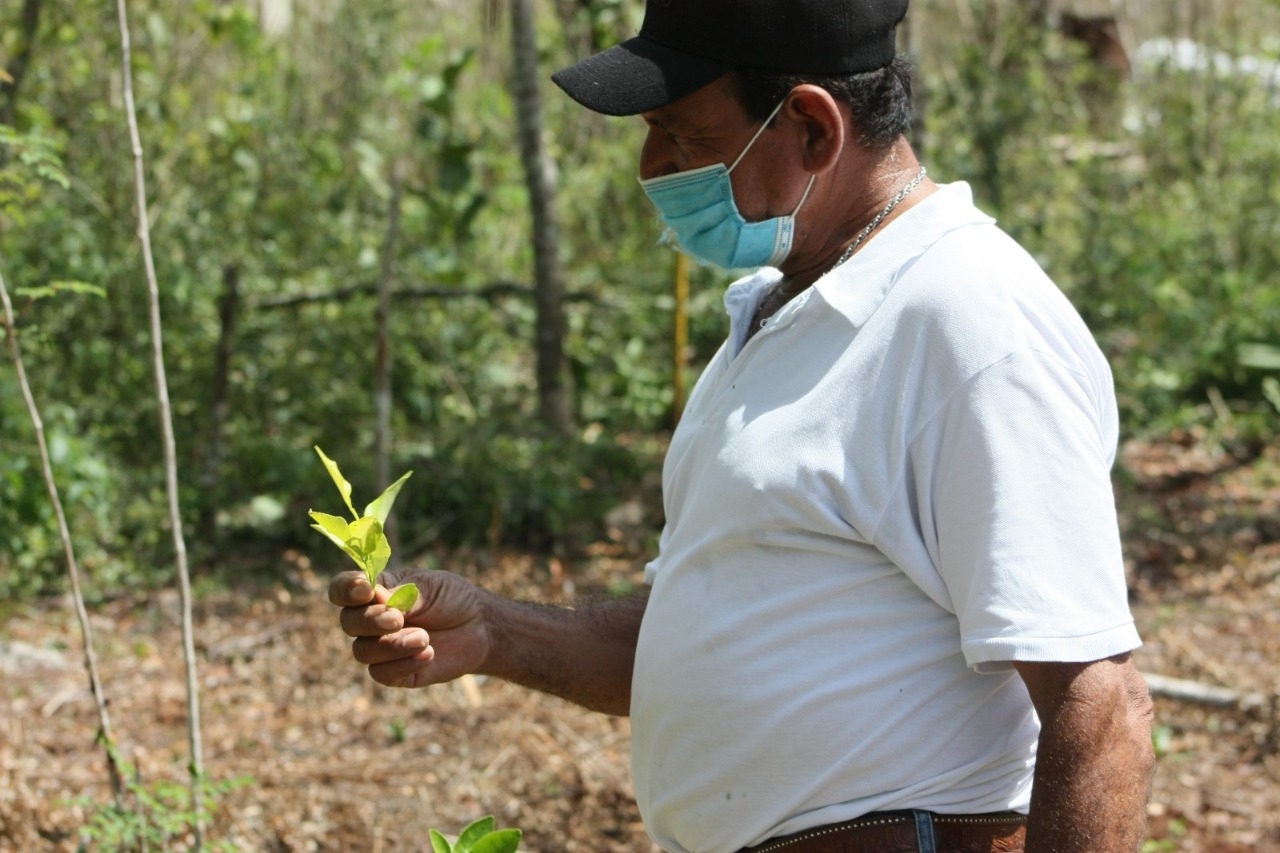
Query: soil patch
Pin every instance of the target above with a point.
(338, 763)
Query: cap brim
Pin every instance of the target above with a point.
(636, 76)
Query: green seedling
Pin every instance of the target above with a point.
(363, 538)
(479, 837)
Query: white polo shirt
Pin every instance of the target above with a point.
(897, 487)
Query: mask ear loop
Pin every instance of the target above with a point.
(757, 135)
(761, 130)
(812, 178)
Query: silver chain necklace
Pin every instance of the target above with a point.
(888, 208)
(857, 241)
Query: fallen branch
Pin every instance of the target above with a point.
(427, 291)
(1203, 694)
(243, 646)
(341, 294)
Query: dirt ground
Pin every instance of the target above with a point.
(339, 764)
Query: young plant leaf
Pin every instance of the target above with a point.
(404, 598)
(473, 833)
(368, 540)
(502, 841)
(440, 844)
(365, 533)
(335, 527)
(338, 480)
(338, 532)
(380, 508)
(363, 539)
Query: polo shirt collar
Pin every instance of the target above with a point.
(858, 286)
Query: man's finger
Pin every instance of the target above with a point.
(350, 589)
(376, 620)
(402, 645)
(407, 672)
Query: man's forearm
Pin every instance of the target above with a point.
(583, 653)
(1093, 765)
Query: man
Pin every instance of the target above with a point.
(888, 612)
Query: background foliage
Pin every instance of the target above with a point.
(1151, 198)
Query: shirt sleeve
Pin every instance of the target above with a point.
(1014, 503)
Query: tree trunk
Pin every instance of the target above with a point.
(382, 358)
(912, 40)
(17, 68)
(219, 404)
(554, 400)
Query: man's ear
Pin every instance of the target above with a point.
(820, 124)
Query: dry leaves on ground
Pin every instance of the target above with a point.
(340, 764)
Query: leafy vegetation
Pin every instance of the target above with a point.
(1148, 199)
(478, 837)
(273, 161)
(152, 815)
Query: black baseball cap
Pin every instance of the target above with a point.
(685, 44)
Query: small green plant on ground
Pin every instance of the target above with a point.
(363, 538)
(153, 816)
(1176, 830)
(479, 837)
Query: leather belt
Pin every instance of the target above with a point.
(907, 832)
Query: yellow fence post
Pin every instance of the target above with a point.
(681, 335)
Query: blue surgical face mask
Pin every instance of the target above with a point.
(698, 207)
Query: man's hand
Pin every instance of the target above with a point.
(442, 637)
(1094, 762)
(584, 653)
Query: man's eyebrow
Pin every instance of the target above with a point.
(677, 123)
